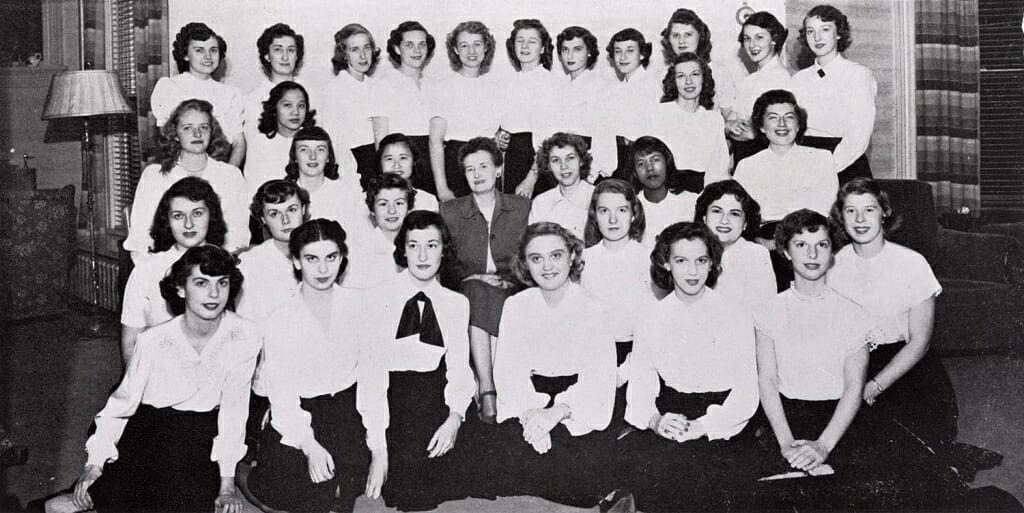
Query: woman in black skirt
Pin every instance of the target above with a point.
(170, 436)
(325, 443)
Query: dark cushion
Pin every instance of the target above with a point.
(914, 206)
(972, 316)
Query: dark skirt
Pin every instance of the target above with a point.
(485, 304)
(922, 402)
(618, 422)
(258, 407)
(744, 149)
(575, 472)
(860, 167)
(416, 482)
(696, 475)
(163, 464)
(281, 479)
(366, 163)
(453, 168)
(519, 158)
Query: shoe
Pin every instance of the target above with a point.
(619, 501)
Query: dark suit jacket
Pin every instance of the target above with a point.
(469, 232)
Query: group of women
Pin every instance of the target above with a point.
(429, 307)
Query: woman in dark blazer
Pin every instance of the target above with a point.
(485, 227)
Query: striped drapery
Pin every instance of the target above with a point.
(947, 58)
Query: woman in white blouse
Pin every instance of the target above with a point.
(325, 444)
(763, 39)
(170, 435)
(285, 112)
(389, 198)
(191, 144)
(397, 154)
(567, 157)
(839, 94)
(313, 166)
(637, 90)
(347, 102)
(554, 370)
(188, 215)
(747, 276)
(425, 328)
(687, 121)
(661, 187)
(281, 51)
(692, 383)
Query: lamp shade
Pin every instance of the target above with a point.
(84, 93)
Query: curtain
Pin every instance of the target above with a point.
(947, 58)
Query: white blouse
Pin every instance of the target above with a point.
(226, 181)
(305, 359)
(673, 209)
(531, 98)
(774, 75)
(228, 102)
(269, 282)
(409, 354)
(747, 275)
(252, 103)
(840, 104)
(703, 346)
(344, 108)
(142, 304)
(812, 338)
(406, 105)
(697, 139)
(471, 107)
(569, 211)
(166, 372)
(887, 285)
(621, 279)
(426, 201)
(341, 200)
(371, 260)
(802, 177)
(265, 159)
(568, 338)
(632, 100)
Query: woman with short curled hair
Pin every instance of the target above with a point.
(763, 38)
(281, 51)
(348, 100)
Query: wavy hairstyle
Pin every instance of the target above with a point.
(630, 34)
(268, 118)
(862, 185)
(713, 192)
(194, 32)
(339, 61)
(592, 232)
(311, 133)
(799, 221)
(521, 269)
(211, 261)
(387, 181)
(395, 40)
(470, 27)
(828, 13)
(649, 145)
(767, 21)
(707, 89)
(274, 192)
(685, 16)
(589, 39)
(194, 189)
(774, 97)
(546, 47)
(316, 230)
(563, 140)
(421, 220)
(684, 231)
(481, 144)
(169, 147)
(267, 38)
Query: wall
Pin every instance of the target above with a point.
(872, 24)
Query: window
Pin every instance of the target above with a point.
(1002, 103)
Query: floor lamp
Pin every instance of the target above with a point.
(89, 95)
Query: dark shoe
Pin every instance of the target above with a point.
(619, 501)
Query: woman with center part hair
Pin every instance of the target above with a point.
(325, 444)
(687, 120)
(285, 112)
(732, 215)
(281, 50)
(567, 157)
(389, 198)
(198, 52)
(485, 227)
(171, 434)
(424, 326)
(313, 166)
(692, 384)
(636, 92)
(660, 187)
(463, 106)
(839, 94)
(554, 369)
(188, 215)
(763, 38)
(347, 102)
(398, 155)
(191, 144)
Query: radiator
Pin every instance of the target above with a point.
(109, 293)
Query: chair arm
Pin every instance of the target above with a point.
(978, 256)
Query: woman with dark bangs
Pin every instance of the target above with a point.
(188, 215)
(531, 94)
(198, 52)
(734, 217)
(692, 384)
(281, 51)
(285, 112)
(763, 38)
(463, 106)
(839, 94)
(686, 119)
(661, 188)
(637, 91)
(170, 435)
(554, 370)
(389, 198)
(347, 106)
(313, 166)
(191, 144)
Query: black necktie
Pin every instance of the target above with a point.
(412, 322)
(821, 73)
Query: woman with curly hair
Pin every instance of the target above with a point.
(198, 52)
(347, 101)
(281, 51)
(686, 119)
(636, 92)
(567, 157)
(763, 38)
(839, 94)
(283, 114)
(463, 107)
(191, 144)
(663, 190)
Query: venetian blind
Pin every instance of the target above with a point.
(123, 144)
(1002, 103)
